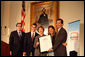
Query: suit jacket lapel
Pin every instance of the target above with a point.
(22, 34)
(30, 34)
(35, 34)
(59, 31)
(58, 34)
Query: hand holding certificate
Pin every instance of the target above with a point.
(45, 43)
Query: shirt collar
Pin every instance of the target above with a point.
(59, 29)
(32, 33)
(18, 31)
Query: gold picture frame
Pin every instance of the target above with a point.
(52, 9)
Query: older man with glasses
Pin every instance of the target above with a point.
(16, 41)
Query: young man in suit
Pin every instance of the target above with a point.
(16, 41)
(59, 48)
(29, 41)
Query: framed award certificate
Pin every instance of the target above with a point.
(45, 43)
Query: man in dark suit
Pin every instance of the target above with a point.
(59, 48)
(16, 41)
(43, 19)
(29, 41)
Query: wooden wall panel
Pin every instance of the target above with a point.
(4, 49)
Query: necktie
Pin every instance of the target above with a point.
(19, 34)
(32, 36)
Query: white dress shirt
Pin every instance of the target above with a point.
(19, 33)
(59, 29)
(32, 33)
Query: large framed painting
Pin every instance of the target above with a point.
(44, 13)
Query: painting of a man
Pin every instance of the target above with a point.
(43, 19)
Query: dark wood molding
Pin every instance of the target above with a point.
(4, 49)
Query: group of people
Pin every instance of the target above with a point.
(27, 44)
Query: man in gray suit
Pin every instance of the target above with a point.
(16, 41)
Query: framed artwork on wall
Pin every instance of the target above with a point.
(44, 13)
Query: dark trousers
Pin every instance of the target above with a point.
(17, 54)
(33, 51)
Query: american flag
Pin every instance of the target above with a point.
(23, 15)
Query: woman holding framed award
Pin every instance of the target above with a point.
(37, 44)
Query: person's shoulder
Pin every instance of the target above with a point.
(23, 33)
(14, 31)
(63, 29)
(41, 15)
(28, 33)
(37, 36)
(36, 33)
